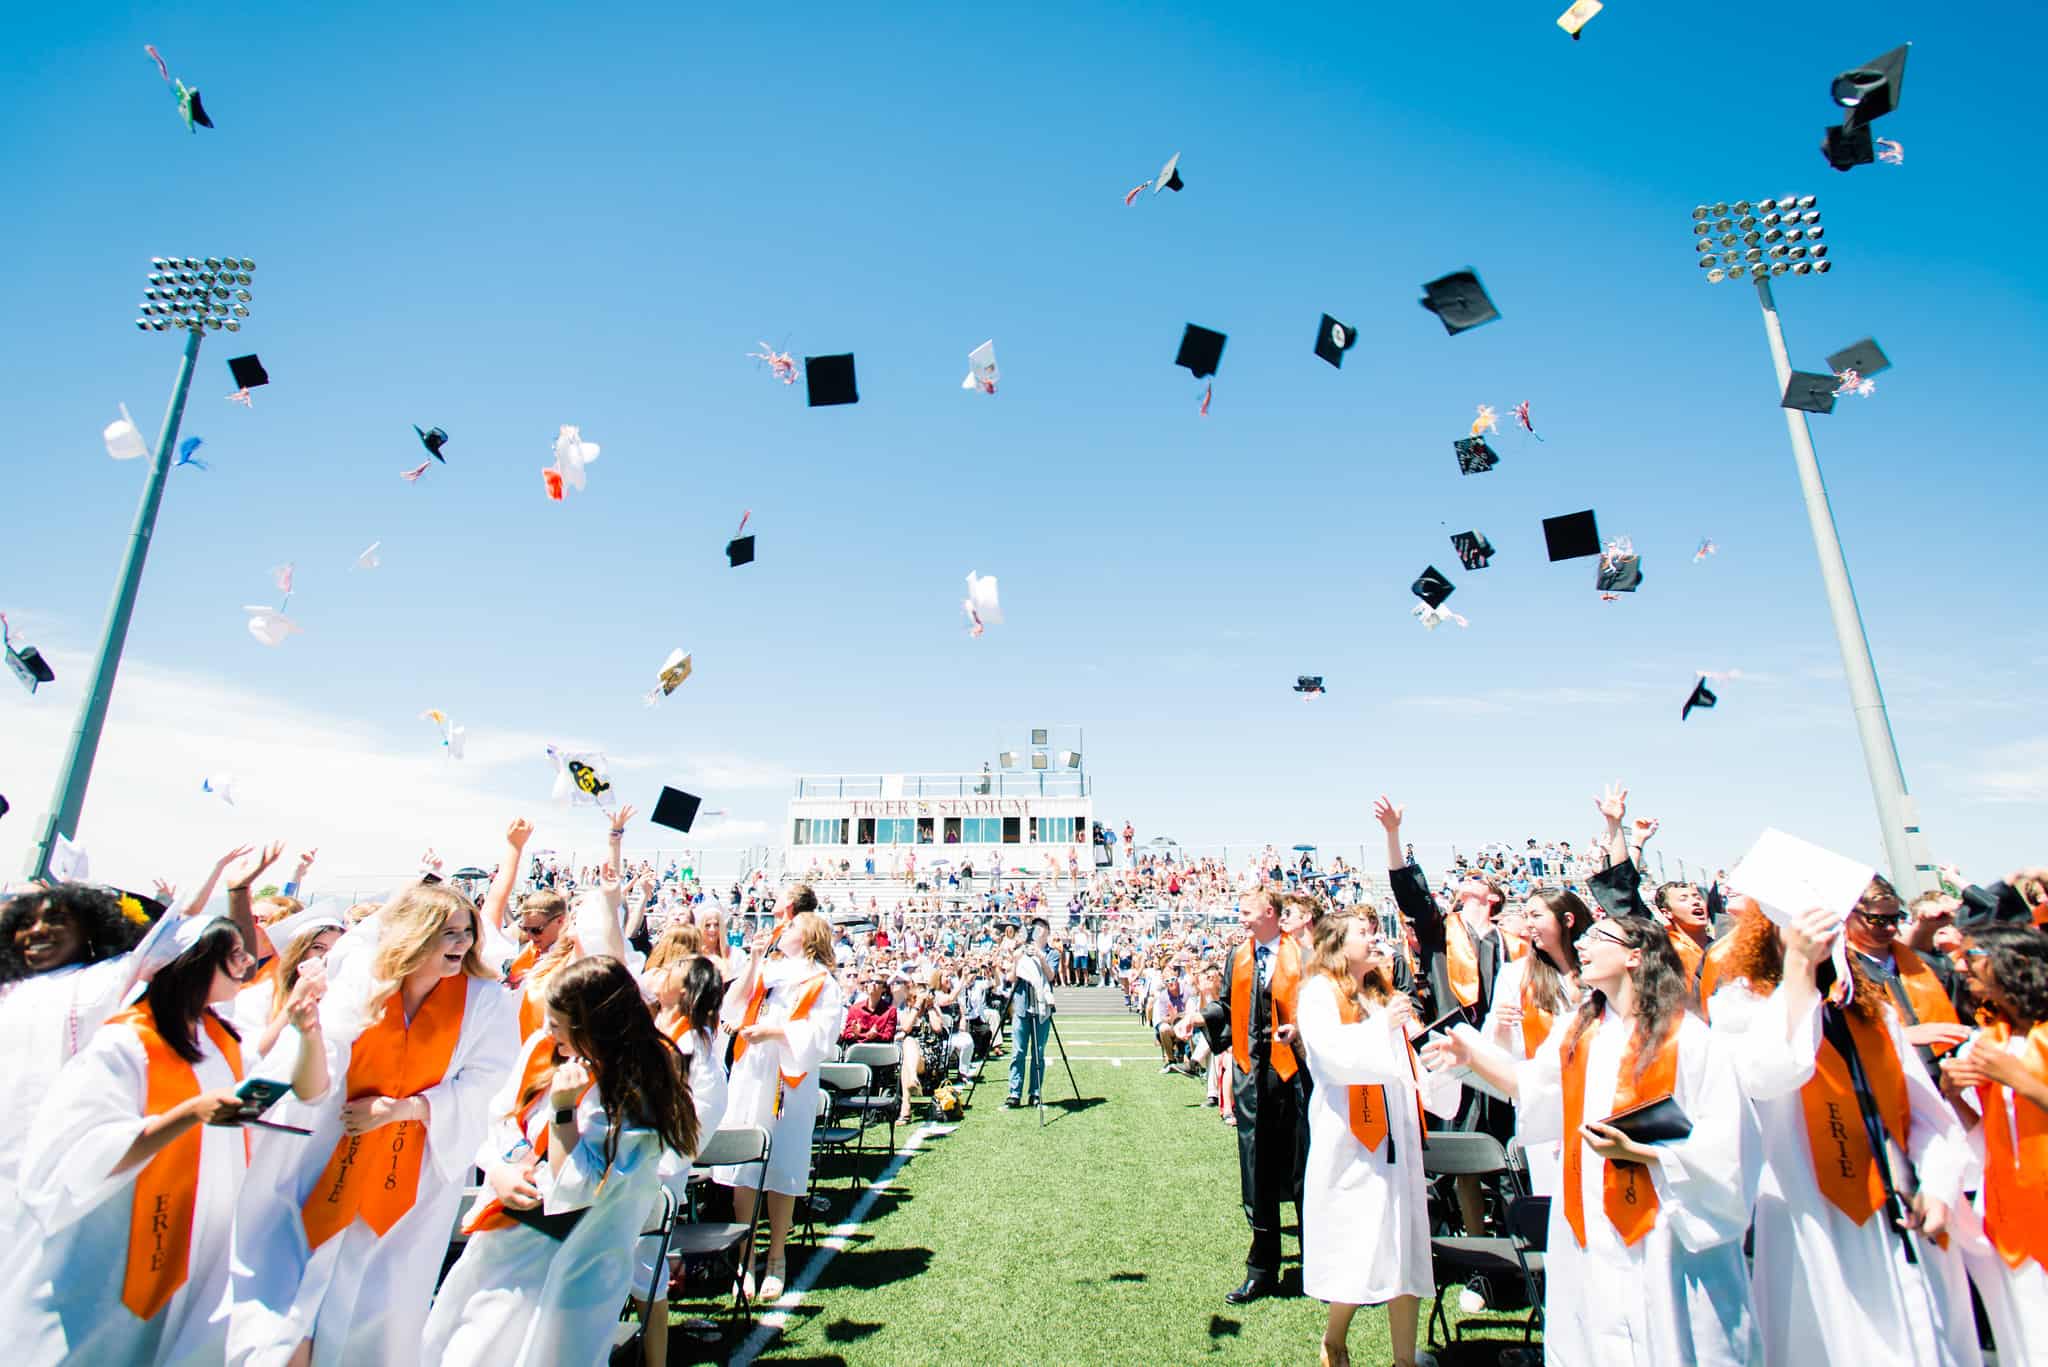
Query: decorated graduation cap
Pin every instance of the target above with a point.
(829, 380)
(1810, 393)
(675, 809)
(1866, 358)
(1578, 16)
(248, 372)
(674, 670)
(124, 439)
(1475, 457)
(1571, 536)
(982, 605)
(1621, 571)
(433, 439)
(1701, 696)
(582, 778)
(1431, 587)
(1473, 549)
(1308, 684)
(26, 661)
(1333, 339)
(981, 368)
(1459, 300)
(1201, 350)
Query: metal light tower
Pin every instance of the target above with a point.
(1757, 242)
(196, 296)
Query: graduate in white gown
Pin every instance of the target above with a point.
(1531, 994)
(787, 1013)
(258, 1010)
(2001, 1075)
(1644, 1261)
(1834, 1282)
(133, 1164)
(1364, 1195)
(572, 1167)
(339, 1238)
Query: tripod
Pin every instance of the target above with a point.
(1064, 1062)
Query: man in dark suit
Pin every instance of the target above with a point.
(1254, 1020)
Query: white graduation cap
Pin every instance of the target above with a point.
(268, 625)
(124, 440)
(221, 786)
(456, 738)
(326, 914)
(981, 368)
(1788, 876)
(983, 608)
(674, 670)
(1169, 176)
(572, 454)
(68, 862)
(582, 778)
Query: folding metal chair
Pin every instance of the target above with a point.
(743, 1146)
(1455, 1260)
(878, 1058)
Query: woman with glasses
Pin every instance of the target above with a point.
(133, 1165)
(2002, 1077)
(1644, 1261)
(341, 1234)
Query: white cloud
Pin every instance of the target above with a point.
(2011, 773)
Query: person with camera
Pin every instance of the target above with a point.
(1031, 1015)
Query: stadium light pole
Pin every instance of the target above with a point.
(195, 296)
(1760, 241)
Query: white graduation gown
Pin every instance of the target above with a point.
(2015, 1298)
(1545, 1160)
(1830, 1291)
(750, 1097)
(520, 1298)
(360, 1298)
(72, 1311)
(706, 1052)
(1681, 1293)
(1364, 1220)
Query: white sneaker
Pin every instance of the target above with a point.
(1167, 1068)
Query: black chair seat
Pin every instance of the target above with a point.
(701, 1241)
(1461, 1257)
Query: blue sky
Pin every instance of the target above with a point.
(503, 219)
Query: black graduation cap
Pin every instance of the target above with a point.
(433, 439)
(1846, 147)
(1431, 587)
(3, 806)
(1571, 536)
(1169, 176)
(1460, 301)
(1810, 393)
(740, 551)
(828, 380)
(675, 809)
(1308, 683)
(1201, 351)
(1871, 90)
(198, 109)
(29, 666)
(248, 372)
(1475, 457)
(1864, 357)
(1623, 574)
(1702, 696)
(1473, 549)
(1334, 340)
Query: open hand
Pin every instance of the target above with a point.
(1613, 804)
(249, 867)
(1446, 1052)
(1387, 814)
(1936, 1034)
(1981, 1067)
(306, 858)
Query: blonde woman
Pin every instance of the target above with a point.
(340, 1234)
(1364, 1196)
(787, 1012)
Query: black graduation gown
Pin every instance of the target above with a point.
(1479, 1110)
(1272, 1123)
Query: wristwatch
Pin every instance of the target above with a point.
(565, 1115)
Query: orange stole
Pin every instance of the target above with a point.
(167, 1188)
(1711, 966)
(804, 1002)
(1369, 1117)
(536, 1064)
(522, 963)
(1461, 960)
(1628, 1195)
(1536, 1022)
(1843, 1165)
(1690, 954)
(1924, 991)
(2016, 1165)
(1282, 991)
(377, 1174)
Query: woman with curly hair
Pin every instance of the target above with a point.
(573, 1164)
(2002, 1075)
(340, 1233)
(1862, 1160)
(1644, 1263)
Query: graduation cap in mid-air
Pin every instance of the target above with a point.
(1619, 574)
(1473, 549)
(1308, 684)
(1847, 147)
(1475, 457)
(740, 551)
(1169, 176)
(1578, 16)
(1333, 340)
(829, 380)
(1810, 393)
(27, 662)
(675, 809)
(1702, 696)
(1571, 536)
(1431, 587)
(1201, 351)
(1459, 300)
(248, 372)
(433, 439)
(1871, 90)
(1866, 358)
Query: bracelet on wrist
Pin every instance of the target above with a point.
(239, 887)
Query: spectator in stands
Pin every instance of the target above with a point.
(872, 1018)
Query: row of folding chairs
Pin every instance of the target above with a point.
(1502, 1262)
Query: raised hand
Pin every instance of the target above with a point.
(305, 862)
(1613, 804)
(1387, 814)
(166, 893)
(249, 867)
(518, 833)
(431, 862)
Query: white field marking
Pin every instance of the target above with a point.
(836, 1242)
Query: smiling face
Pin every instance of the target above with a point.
(231, 977)
(1874, 925)
(1258, 915)
(458, 933)
(1606, 957)
(50, 939)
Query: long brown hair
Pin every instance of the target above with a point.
(292, 960)
(640, 1073)
(1662, 991)
(1546, 976)
(1326, 956)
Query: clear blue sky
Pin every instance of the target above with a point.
(501, 219)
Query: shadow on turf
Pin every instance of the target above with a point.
(861, 1270)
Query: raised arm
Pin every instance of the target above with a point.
(500, 895)
(1410, 886)
(240, 878)
(205, 893)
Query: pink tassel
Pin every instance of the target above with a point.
(1129, 199)
(1208, 391)
(150, 48)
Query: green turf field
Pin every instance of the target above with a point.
(1109, 1236)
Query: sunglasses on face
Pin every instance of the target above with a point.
(1883, 919)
